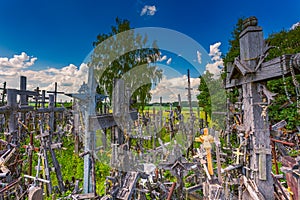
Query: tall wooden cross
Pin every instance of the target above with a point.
(93, 122)
(249, 72)
(55, 92)
(86, 96)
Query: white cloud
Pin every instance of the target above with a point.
(169, 89)
(163, 58)
(217, 65)
(148, 10)
(68, 78)
(214, 51)
(294, 26)
(18, 61)
(169, 61)
(199, 59)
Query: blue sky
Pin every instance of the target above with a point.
(58, 35)
(61, 32)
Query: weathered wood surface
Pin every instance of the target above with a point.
(269, 70)
(292, 181)
(126, 191)
(249, 71)
(83, 196)
(20, 120)
(53, 156)
(247, 74)
(251, 191)
(106, 121)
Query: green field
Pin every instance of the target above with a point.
(165, 109)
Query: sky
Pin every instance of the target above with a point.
(49, 41)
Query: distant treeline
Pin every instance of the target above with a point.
(183, 104)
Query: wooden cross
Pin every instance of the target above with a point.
(248, 71)
(190, 135)
(92, 122)
(206, 141)
(190, 97)
(12, 108)
(55, 92)
(92, 157)
(171, 121)
(46, 145)
(179, 169)
(30, 148)
(128, 185)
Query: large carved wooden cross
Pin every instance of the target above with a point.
(87, 95)
(249, 71)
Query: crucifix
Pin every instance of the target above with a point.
(91, 122)
(86, 97)
(238, 153)
(249, 72)
(206, 141)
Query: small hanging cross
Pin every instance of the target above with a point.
(238, 153)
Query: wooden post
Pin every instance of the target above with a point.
(37, 95)
(160, 112)
(190, 135)
(190, 97)
(43, 98)
(23, 97)
(45, 161)
(53, 156)
(171, 191)
(274, 157)
(118, 108)
(76, 122)
(12, 121)
(93, 178)
(251, 47)
(31, 148)
(89, 136)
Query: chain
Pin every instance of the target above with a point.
(288, 96)
(296, 83)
